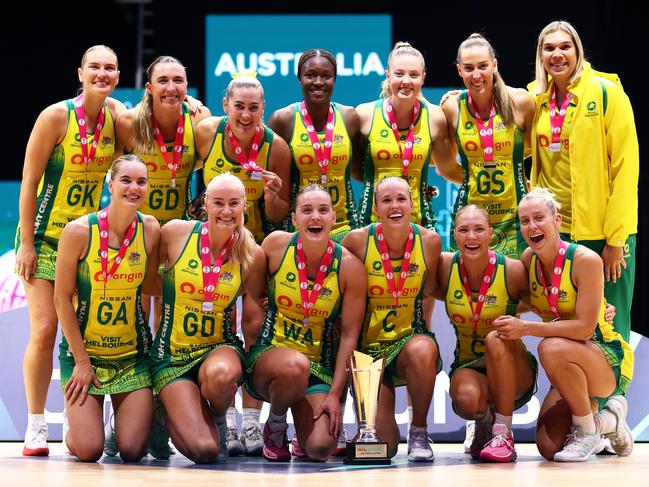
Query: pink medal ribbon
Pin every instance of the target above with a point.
(309, 300)
(248, 162)
(553, 295)
(178, 146)
(557, 118)
(486, 132)
(484, 287)
(323, 155)
(88, 155)
(394, 289)
(211, 274)
(102, 216)
(406, 153)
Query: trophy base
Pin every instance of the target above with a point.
(367, 454)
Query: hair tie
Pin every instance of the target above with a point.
(249, 74)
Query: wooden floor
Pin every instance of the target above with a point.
(451, 468)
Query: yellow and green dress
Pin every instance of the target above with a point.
(617, 351)
(187, 334)
(218, 162)
(386, 329)
(383, 159)
(469, 347)
(497, 186)
(305, 170)
(66, 190)
(164, 201)
(113, 326)
(283, 324)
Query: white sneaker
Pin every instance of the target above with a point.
(468, 438)
(253, 441)
(36, 441)
(235, 447)
(579, 447)
(419, 449)
(110, 441)
(622, 438)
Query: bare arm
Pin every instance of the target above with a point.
(524, 107)
(48, 131)
(364, 112)
(274, 246)
(152, 285)
(353, 278)
(204, 137)
(356, 242)
(125, 134)
(432, 246)
(443, 271)
(281, 122)
(353, 125)
(277, 181)
(254, 278)
(72, 245)
(588, 276)
(444, 154)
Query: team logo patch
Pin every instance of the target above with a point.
(325, 292)
(134, 258)
(339, 139)
(591, 105)
(304, 138)
(106, 140)
(219, 162)
(226, 277)
(193, 263)
(377, 266)
(384, 133)
(458, 294)
(290, 277)
(417, 140)
(468, 125)
(491, 299)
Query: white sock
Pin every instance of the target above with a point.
(277, 418)
(250, 418)
(35, 419)
(231, 417)
(506, 420)
(605, 422)
(586, 424)
(485, 417)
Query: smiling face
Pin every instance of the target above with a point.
(405, 76)
(245, 110)
(317, 78)
(559, 55)
(476, 68)
(99, 74)
(129, 183)
(225, 204)
(168, 85)
(472, 232)
(314, 215)
(393, 202)
(539, 226)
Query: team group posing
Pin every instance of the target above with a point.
(329, 277)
